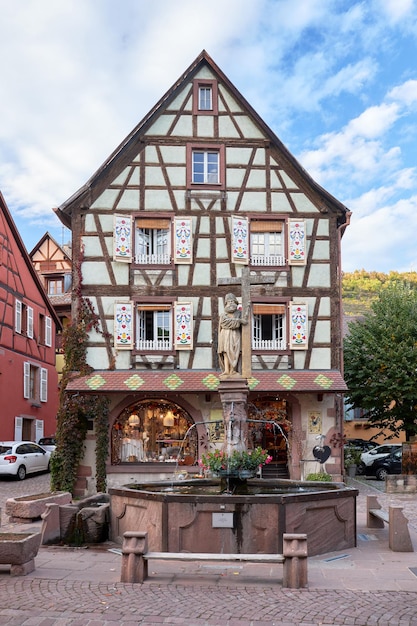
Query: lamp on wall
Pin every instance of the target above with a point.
(168, 420)
(133, 420)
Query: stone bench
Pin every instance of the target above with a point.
(135, 557)
(399, 535)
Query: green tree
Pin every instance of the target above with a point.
(380, 356)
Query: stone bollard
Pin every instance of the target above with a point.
(134, 566)
(295, 564)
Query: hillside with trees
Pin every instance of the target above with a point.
(361, 288)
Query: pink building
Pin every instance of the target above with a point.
(28, 323)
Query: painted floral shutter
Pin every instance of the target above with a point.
(123, 326)
(183, 325)
(298, 326)
(183, 245)
(296, 242)
(122, 238)
(240, 240)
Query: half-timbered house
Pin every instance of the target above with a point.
(28, 378)
(200, 200)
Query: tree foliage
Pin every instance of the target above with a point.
(360, 288)
(380, 356)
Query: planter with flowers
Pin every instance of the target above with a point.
(240, 464)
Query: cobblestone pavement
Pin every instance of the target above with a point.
(91, 594)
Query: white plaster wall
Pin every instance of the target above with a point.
(303, 203)
(238, 155)
(253, 201)
(320, 359)
(97, 358)
(202, 359)
(95, 273)
(205, 126)
(204, 332)
(289, 183)
(154, 176)
(221, 249)
(184, 126)
(205, 225)
(202, 270)
(232, 104)
(323, 228)
(324, 307)
(279, 203)
(177, 176)
(121, 179)
(157, 199)
(319, 276)
(129, 200)
(161, 125)
(249, 129)
(321, 250)
(234, 177)
(323, 332)
(106, 199)
(297, 272)
(170, 154)
(123, 359)
(227, 128)
(257, 178)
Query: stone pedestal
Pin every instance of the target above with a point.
(234, 393)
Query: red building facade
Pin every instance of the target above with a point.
(28, 322)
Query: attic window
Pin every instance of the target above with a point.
(205, 100)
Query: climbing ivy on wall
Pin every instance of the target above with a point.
(77, 409)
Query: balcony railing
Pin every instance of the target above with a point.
(156, 345)
(270, 344)
(273, 260)
(152, 259)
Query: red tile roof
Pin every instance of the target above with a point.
(106, 381)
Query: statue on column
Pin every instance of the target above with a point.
(229, 336)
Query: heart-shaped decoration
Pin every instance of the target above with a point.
(321, 453)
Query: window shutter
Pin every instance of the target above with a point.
(183, 248)
(18, 317)
(240, 250)
(29, 330)
(123, 326)
(43, 385)
(298, 326)
(18, 428)
(38, 429)
(122, 238)
(48, 331)
(266, 226)
(26, 380)
(296, 242)
(183, 320)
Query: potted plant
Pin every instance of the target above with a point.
(352, 460)
(241, 463)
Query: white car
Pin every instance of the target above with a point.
(18, 458)
(379, 452)
(47, 443)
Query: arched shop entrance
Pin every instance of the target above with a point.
(154, 431)
(269, 427)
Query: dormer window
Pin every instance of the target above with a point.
(205, 98)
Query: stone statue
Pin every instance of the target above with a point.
(229, 340)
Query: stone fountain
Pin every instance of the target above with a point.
(201, 515)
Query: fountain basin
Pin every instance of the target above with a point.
(194, 516)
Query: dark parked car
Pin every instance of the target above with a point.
(361, 444)
(381, 467)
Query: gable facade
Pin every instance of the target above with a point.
(202, 199)
(28, 380)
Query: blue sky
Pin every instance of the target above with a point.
(336, 80)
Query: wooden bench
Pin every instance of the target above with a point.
(135, 557)
(399, 535)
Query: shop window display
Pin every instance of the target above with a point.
(154, 431)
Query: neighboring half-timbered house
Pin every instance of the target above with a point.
(28, 378)
(200, 200)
